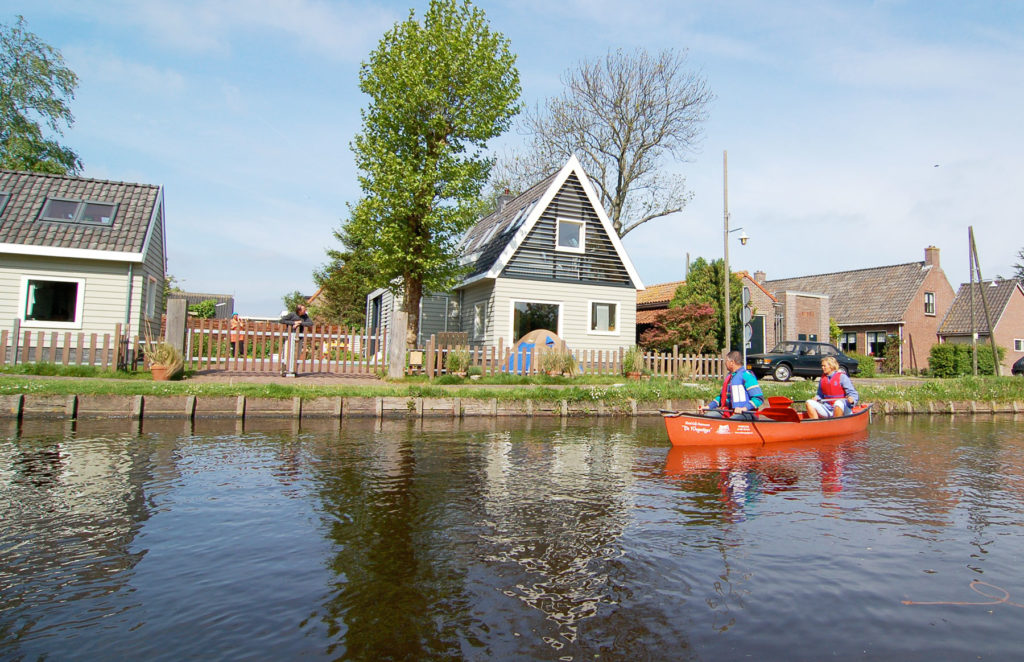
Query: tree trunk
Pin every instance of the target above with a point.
(413, 293)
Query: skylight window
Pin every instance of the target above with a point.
(78, 211)
(4, 197)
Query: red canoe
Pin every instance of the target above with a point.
(773, 425)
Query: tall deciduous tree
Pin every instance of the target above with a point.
(35, 88)
(623, 115)
(439, 90)
(344, 282)
(691, 328)
(704, 285)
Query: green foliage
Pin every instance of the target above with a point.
(293, 299)
(690, 327)
(633, 360)
(834, 331)
(47, 369)
(344, 282)
(35, 88)
(457, 360)
(704, 284)
(891, 355)
(955, 360)
(865, 364)
(439, 90)
(205, 309)
(1018, 267)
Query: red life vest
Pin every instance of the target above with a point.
(830, 387)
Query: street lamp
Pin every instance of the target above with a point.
(725, 240)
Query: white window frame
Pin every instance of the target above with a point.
(1018, 344)
(843, 341)
(558, 238)
(615, 318)
(151, 297)
(479, 320)
(43, 324)
(512, 315)
(929, 302)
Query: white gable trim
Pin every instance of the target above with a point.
(73, 253)
(573, 165)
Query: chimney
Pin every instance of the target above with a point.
(503, 199)
(760, 276)
(931, 256)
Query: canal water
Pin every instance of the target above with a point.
(508, 539)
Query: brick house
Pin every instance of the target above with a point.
(908, 301)
(765, 321)
(1005, 300)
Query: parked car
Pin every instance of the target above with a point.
(798, 357)
(1018, 367)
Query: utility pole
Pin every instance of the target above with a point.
(725, 238)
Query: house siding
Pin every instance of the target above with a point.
(1009, 327)
(105, 285)
(537, 259)
(471, 296)
(575, 303)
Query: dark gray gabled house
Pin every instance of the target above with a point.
(548, 258)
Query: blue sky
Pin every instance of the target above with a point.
(834, 114)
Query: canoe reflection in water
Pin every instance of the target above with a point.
(741, 475)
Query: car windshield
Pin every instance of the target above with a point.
(785, 348)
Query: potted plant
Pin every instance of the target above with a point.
(457, 362)
(551, 362)
(165, 361)
(570, 368)
(633, 362)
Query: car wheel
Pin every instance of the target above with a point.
(843, 370)
(782, 373)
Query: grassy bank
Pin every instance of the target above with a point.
(979, 389)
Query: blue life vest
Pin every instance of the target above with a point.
(734, 392)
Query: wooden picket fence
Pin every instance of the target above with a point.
(106, 350)
(322, 348)
(501, 359)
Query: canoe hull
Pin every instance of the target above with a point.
(695, 430)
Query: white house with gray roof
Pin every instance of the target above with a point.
(80, 255)
(548, 258)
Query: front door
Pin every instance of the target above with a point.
(756, 345)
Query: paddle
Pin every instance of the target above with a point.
(779, 401)
(785, 414)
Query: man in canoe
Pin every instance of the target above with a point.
(836, 394)
(741, 396)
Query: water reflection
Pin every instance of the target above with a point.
(505, 539)
(740, 476)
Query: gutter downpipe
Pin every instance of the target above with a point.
(900, 327)
(128, 306)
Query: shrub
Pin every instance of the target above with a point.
(865, 364)
(457, 360)
(955, 360)
(633, 360)
(891, 355)
(557, 361)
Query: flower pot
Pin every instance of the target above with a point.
(160, 372)
(634, 375)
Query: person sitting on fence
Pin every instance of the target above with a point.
(836, 393)
(237, 336)
(741, 395)
(298, 321)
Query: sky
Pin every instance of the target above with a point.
(858, 133)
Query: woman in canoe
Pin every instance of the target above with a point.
(836, 394)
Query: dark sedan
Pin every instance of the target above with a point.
(1018, 368)
(798, 357)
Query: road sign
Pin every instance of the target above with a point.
(748, 331)
(746, 314)
(746, 295)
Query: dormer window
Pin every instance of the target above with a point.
(570, 235)
(4, 197)
(78, 211)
